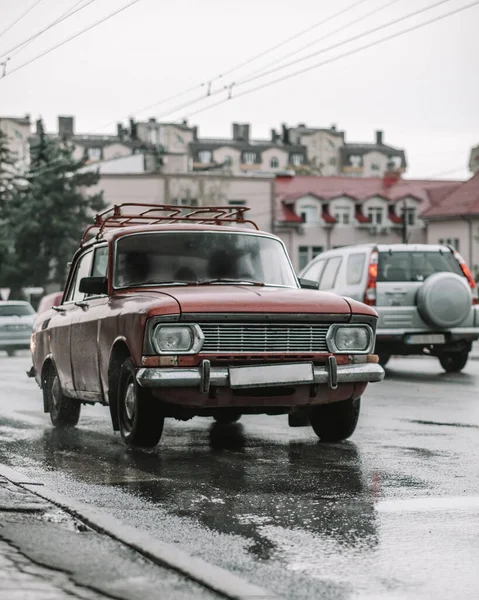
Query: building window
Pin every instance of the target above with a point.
(237, 202)
(410, 215)
(309, 213)
(375, 215)
(188, 202)
(249, 158)
(315, 250)
(94, 153)
(303, 256)
(375, 167)
(274, 163)
(342, 214)
(453, 242)
(332, 161)
(297, 159)
(228, 161)
(204, 156)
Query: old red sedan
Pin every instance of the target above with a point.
(187, 312)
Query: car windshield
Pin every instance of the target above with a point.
(16, 310)
(415, 265)
(200, 258)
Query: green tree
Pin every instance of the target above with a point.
(8, 175)
(49, 213)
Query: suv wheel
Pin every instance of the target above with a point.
(453, 362)
(140, 419)
(64, 411)
(336, 421)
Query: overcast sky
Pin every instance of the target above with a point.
(421, 89)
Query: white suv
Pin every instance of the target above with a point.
(425, 295)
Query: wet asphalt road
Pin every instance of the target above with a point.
(392, 514)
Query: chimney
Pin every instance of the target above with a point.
(195, 133)
(285, 134)
(65, 127)
(133, 130)
(241, 132)
(302, 126)
(119, 130)
(333, 127)
(274, 136)
(39, 127)
(379, 138)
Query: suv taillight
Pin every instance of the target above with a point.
(469, 276)
(370, 293)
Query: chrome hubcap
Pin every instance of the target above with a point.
(130, 401)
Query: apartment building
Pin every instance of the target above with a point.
(17, 130)
(474, 160)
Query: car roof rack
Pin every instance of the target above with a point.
(132, 213)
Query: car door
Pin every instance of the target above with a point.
(353, 282)
(85, 331)
(59, 326)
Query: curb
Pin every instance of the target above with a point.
(214, 578)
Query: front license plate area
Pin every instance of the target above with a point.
(426, 338)
(271, 375)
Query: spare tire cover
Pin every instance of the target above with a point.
(444, 300)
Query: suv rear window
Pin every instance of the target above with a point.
(16, 310)
(415, 266)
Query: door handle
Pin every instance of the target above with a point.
(59, 309)
(81, 303)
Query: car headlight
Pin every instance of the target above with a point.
(345, 339)
(177, 339)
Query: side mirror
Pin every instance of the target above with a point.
(94, 286)
(308, 284)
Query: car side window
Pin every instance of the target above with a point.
(355, 268)
(82, 270)
(328, 278)
(314, 271)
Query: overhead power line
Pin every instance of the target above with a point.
(340, 56)
(307, 57)
(255, 57)
(61, 18)
(72, 37)
(67, 15)
(18, 19)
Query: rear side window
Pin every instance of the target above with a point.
(415, 266)
(355, 269)
(314, 271)
(330, 273)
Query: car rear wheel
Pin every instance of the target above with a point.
(335, 422)
(64, 411)
(140, 419)
(454, 362)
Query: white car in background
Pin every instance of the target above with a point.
(16, 323)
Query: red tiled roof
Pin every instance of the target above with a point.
(327, 218)
(359, 189)
(359, 216)
(287, 214)
(459, 200)
(393, 217)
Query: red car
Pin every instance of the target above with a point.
(183, 312)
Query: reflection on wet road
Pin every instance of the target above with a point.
(394, 513)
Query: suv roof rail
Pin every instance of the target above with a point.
(132, 213)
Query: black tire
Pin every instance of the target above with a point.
(139, 415)
(64, 411)
(335, 422)
(227, 418)
(454, 361)
(383, 358)
(11, 352)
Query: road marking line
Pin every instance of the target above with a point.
(210, 576)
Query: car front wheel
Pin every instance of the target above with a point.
(140, 418)
(64, 411)
(335, 422)
(453, 362)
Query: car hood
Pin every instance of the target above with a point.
(254, 299)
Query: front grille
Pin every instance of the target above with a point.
(260, 338)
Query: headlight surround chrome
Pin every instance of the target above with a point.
(172, 338)
(350, 339)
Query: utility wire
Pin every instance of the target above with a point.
(307, 57)
(39, 33)
(375, 11)
(18, 19)
(340, 56)
(62, 17)
(240, 65)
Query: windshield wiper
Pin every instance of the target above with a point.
(230, 280)
(156, 282)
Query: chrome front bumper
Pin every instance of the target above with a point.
(206, 376)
